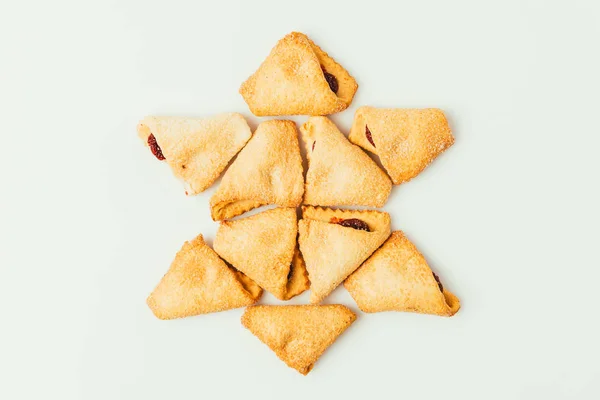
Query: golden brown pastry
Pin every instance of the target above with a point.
(298, 281)
(196, 149)
(199, 282)
(267, 171)
(298, 334)
(262, 246)
(298, 78)
(340, 173)
(397, 278)
(406, 140)
(335, 242)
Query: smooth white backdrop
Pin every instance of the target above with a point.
(508, 217)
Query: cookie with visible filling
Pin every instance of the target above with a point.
(199, 282)
(298, 78)
(196, 149)
(334, 243)
(267, 171)
(339, 172)
(406, 140)
(397, 278)
(298, 335)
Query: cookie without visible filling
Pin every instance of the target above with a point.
(397, 278)
(199, 282)
(267, 171)
(262, 246)
(339, 172)
(334, 244)
(406, 140)
(196, 149)
(298, 78)
(298, 334)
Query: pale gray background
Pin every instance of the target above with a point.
(508, 217)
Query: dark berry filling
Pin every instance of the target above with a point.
(155, 148)
(353, 223)
(331, 80)
(437, 279)
(368, 135)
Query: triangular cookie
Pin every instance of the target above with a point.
(196, 149)
(267, 171)
(406, 140)
(298, 334)
(261, 246)
(340, 173)
(298, 78)
(199, 282)
(335, 242)
(397, 278)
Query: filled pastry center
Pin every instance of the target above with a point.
(155, 148)
(437, 279)
(331, 80)
(369, 137)
(353, 223)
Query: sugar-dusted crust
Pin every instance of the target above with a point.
(340, 173)
(298, 281)
(199, 282)
(261, 246)
(197, 149)
(299, 335)
(397, 278)
(378, 221)
(406, 140)
(267, 171)
(291, 82)
(332, 251)
(249, 285)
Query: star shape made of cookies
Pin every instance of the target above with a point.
(306, 241)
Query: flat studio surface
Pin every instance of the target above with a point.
(507, 217)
